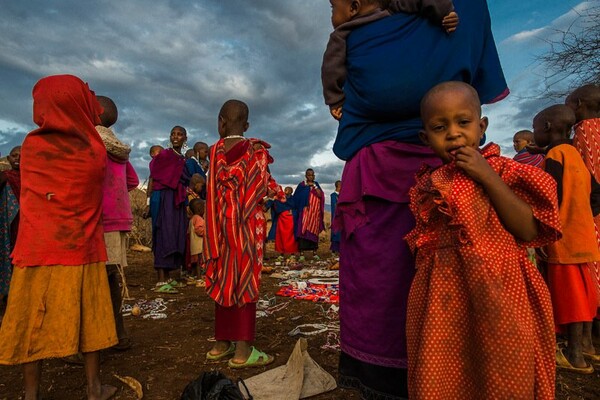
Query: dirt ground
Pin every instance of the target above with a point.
(169, 353)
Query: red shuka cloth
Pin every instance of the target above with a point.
(285, 242)
(573, 293)
(235, 222)
(62, 170)
(235, 323)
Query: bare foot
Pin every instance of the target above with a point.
(575, 358)
(220, 347)
(106, 392)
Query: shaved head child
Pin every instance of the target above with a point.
(569, 279)
(479, 313)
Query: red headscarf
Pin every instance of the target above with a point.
(62, 171)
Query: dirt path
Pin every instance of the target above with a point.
(169, 353)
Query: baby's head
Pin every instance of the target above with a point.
(585, 102)
(110, 114)
(522, 139)
(233, 118)
(201, 150)
(197, 182)
(189, 153)
(451, 114)
(288, 190)
(155, 150)
(553, 124)
(343, 11)
(197, 207)
(14, 158)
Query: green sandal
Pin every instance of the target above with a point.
(166, 288)
(257, 359)
(220, 356)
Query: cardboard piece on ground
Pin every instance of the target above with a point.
(299, 378)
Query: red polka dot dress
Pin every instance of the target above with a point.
(479, 322)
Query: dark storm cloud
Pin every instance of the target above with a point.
(169, 63)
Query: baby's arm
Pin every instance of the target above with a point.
(434, 10)
(333, 72)
(515, 214)
(336, 112)
(450, 22)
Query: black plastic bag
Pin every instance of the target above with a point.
(214, 385)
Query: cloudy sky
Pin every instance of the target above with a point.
(175, 62)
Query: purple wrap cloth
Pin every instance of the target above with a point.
(376, 265)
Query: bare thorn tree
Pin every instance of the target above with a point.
(574, 57)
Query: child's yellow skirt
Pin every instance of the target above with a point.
(56, 311)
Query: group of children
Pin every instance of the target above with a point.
(284, 215)
(196, 169)
(475, 293)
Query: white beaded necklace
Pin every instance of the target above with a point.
(234, 137)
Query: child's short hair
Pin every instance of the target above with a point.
(235, 111)
(197, 205)
(560, 117)
(110, 114)
(195, 179)
(588, 94)
(524, 134)
(198, 145)
(451, 86)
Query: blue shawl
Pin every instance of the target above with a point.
(394, 61)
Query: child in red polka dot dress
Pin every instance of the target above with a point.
(479, 323)
(570, 281)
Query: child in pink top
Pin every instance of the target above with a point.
(117, 218)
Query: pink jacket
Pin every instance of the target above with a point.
(119, 180)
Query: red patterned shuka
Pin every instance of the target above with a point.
(587, 141)
(235, 224)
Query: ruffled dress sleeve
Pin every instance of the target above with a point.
(537, 189)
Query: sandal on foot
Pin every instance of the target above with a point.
(166, 288)
(563, 363)
(220, 356)
(257, 359)
(594, 358)
(190, 281)
(200, 283)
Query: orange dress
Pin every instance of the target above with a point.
(479, 323)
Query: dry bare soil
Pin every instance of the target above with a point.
(169, 353)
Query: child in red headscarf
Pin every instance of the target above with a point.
(59, 300)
